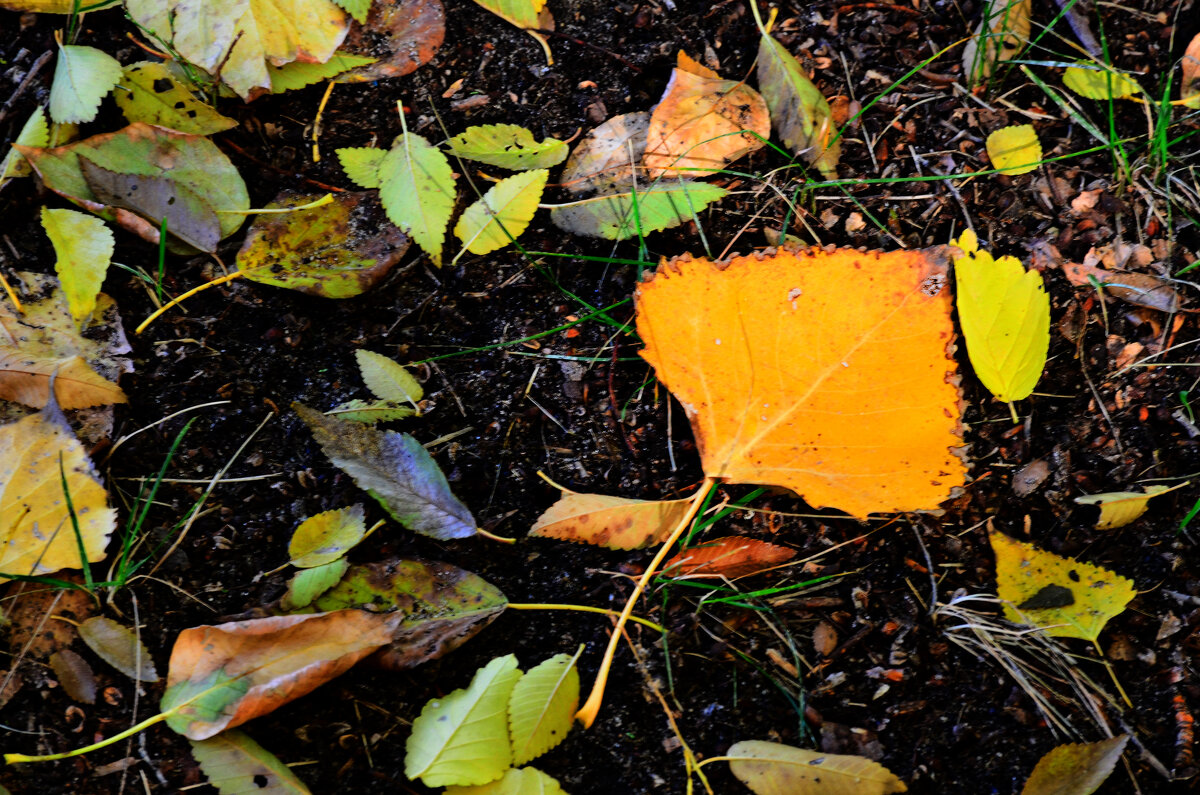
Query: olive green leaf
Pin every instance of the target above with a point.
(35, 132)
(507, 146)
(150, 92)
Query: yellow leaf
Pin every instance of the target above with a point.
(326, 537)
(1000, 36)
(502, 214)
(1004, 312)
(826, 372)
(1075, 768)
(35, 132)
(1119, 508)
(777, 769)
(1066, 598)
(1095, 82)
(1014, 150)
(515, 781)
(613, 522)
(84, 247)
(36, 534)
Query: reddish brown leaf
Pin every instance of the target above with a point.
(1140, 289)
(731, 556)
(75, 676)
(401, 35)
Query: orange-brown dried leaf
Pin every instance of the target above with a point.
(828, 372)
(689, 64)
(1189, 89)
(33, 630)
(1142, 289)
(613, 522)
(731, 556)
(401, 35)
(702, 124)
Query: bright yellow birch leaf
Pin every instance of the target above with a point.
(1004, 312)
(502, 214)
(1066, 598)
(777, 769)
(1014, 150)
(1000, 36)
(83, 245)
(1093, 82)
(36, 534)
(1075, 768)
(1119, 508)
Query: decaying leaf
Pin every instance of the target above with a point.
(732, 557)
(36, 531)
(307, 584)
(83, 247)
(1119, 508)
(1014, 150)
(236, 765)
(222, 676)
(119, 647)
(338, 250)
(463, 738)
(515, 781)
(82, 77)
(32, 628)
(387, 379)
(34, 133)
(297, 74)
(397, 471)
(400, 36)
(149, 92)
(1097, 82)
(416, 186)
(702, 124)
(824, 371)
(1142, 289)
(608, 156)
(1189, 86)
(613, 522)
(75, 676)
(326, 537)
(1064, 597)
(777, 769)
(620, 216)
(1004, 312)
(541, 709)
(507, 146)
(1075, 768)
(1001, 35)
(501, 215)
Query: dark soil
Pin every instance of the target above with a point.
(893, 687)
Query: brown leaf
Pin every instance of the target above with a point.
(119, 647)
(731, 556)
(32, 630)
(607, 157)
(75, 676)
(401, 35)
(26, 379)
(1140, 289)
(613, 522)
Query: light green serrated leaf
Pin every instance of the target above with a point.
(361, 164)
(1004, 312)
(370, 412)
(236, 765)
(1097, 83)
(299, 74)
(149, 92)
(520, 781)
(503, 213)
(417, 191)
(83, 76)
(620, 216)
(541, 709)
(462, 739)
(84, 248)
(307, 584)
(327, 536)
(507, 146)
(356, 8)
(387, 379)
(35, 132)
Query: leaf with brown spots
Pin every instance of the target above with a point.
(613, 522)
(731, 556)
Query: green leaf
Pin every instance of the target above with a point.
(1004, 312)
(503, 213)
(307, 584)
(800, 113)
(542, 707)
(397, 471)
(522, 781)
(507, 146)
(1064, 597)
(417, 190)
(1000, 36)
(361, 165)
(387, 379)
(35, 132)
(119, 647)
(1075, 768)
(337, 250)
(83, 246)
(299, 74)
(463, 738)
(236, 765)
(613, 217)
(326, 537)
(202, 700)
(150, 93)
(371, 412)
(522, 13)
(83, 76)
(777, 769)
(1095, 82)
(356, 8)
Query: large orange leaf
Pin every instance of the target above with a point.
(828, 372)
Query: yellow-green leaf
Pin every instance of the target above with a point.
(1000, 36)
(236, 765)
(1004, 312)
(463, 738)
(777, 769)
(1014, 150)
(370, 412)
(1075, 768)
(502, 214)
(361, 164)
(542, 707)
(299, 74)
(84, 248)
(326, 537)
(308, 584)
(387, 379)
(507, 146)
(82, 77)
(1065, 597)
(416, 186)
(519, 781)
(1095, 82)
(149, 92)
(620, 216)
(1119, 508)
(35, 132)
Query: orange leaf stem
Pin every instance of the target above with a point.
(220, 280)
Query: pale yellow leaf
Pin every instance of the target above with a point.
(387, 379)
(777, 769)
(84, 247)
(1119, 508)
